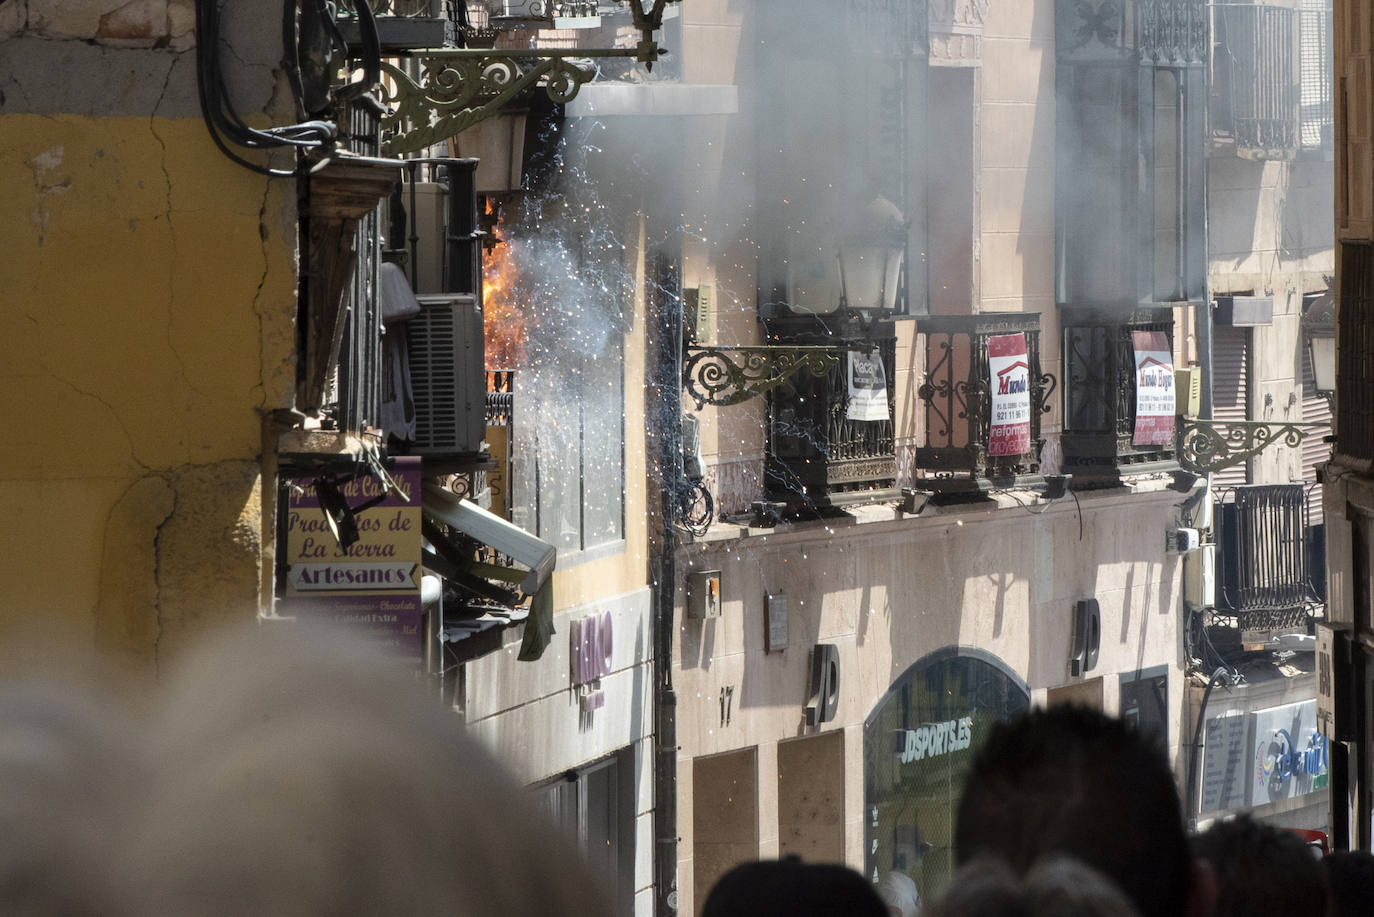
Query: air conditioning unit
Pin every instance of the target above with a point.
(447, 374)
(1200, 577)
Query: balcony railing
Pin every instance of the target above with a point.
(957, 455)
(817, 455)
(1264, 572)
(1100, 395)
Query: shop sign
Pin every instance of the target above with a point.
(373, 586)
(1224, 762)
(592, 642)
(930, 740)
(867, 387)
(1009, 373)
(1290, 755)
(1154, 389)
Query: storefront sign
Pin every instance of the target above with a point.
(867, 387)
(932, 739)
(372, 587)
(592, 642)
(1290, 756)
(1009, 373)
(1154, 389)
(1224, 762)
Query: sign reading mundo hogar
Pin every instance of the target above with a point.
(1009, 375)
(373, 587)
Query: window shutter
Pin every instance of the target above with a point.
(1230, 392)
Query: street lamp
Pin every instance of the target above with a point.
(1319, 328)
(870, 260)
(867, 267)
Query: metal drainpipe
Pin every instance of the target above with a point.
(667, 324)
(1193, 802)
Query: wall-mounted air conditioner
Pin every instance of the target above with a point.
(447, 374)
(1200, 577)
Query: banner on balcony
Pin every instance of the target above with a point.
(867, 387)
(1009, 374)
(1154, 389)
(372, 587)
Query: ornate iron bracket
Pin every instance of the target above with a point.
(722, 376)
(1207, 446)
(460, 87)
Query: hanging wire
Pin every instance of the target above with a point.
(222, 119)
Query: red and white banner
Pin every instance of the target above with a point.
(1154, 389)
(1009, 373)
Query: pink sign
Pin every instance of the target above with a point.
(1009, 375)
(1154, 389)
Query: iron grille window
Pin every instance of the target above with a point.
(1264, 549)
(1355, 352)
(1100, 390)
(1257, 56)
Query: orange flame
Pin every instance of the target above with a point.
(502, 319)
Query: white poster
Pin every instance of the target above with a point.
(1009, 373)
(1154, 389)
(867, 386)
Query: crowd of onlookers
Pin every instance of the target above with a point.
(308, 778)
(1067, 811)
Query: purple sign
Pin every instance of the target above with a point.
(371, 587)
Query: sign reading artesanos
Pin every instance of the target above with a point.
(373, 586)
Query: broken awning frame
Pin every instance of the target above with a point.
(490, 529)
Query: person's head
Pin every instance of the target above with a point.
(1073, 781)
(791, 888)
(1260, 869)
(1056, 887)
(282, 777)
(1349, 882)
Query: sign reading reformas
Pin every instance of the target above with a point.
(931, 739)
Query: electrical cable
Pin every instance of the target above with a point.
(222, 119)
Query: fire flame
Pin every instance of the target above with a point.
(502, 319)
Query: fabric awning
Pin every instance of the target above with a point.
(490, 529)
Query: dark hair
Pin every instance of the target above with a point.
(1069, 780)
(1260, 869)
(791, 888)
(1349, 882)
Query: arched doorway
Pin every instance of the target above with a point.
(918, 744)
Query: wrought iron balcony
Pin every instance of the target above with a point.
(818, 453)
(965, 449)
(1099, 439)
(1264, 574)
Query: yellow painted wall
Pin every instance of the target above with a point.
(147, 304)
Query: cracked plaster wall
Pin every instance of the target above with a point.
(147, 305)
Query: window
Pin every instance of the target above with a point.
(594, 807)
(1145, 702)
(561, 336)
(569, 441)
(1272, 78)
(919, 743)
